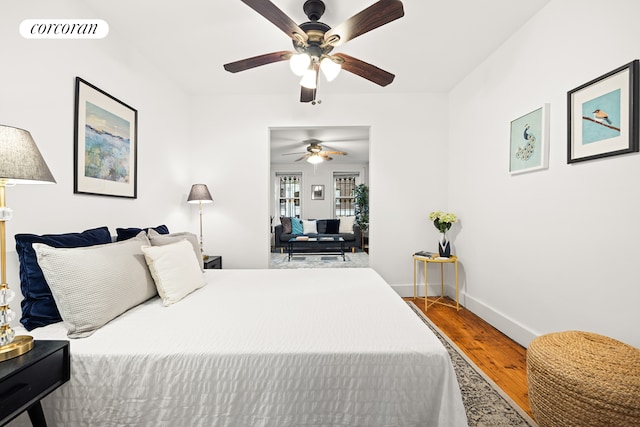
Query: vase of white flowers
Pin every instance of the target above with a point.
(443, 221)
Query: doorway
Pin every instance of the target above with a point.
(305, 165)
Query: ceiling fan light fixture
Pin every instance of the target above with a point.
(315, 158)
(299, 63)
(309, 79)
(329, 68)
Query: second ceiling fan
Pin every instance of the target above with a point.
(313, 42)
(316, 153)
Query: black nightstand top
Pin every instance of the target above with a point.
(26, 379)
(213, 262)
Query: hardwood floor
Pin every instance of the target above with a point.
(500, 358)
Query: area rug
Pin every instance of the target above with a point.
(486, 404)
(309, 260)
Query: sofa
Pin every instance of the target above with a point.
(286, 230)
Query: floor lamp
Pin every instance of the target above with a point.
(200, 194)
(20, 163)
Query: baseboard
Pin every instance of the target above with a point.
(508, 326)
(406, 291)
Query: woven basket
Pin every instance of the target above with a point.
(583, 379)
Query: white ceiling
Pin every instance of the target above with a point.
(431, 48)
(435, 45)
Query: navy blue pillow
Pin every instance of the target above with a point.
(131, 232)
(333, 225)
(38, 305)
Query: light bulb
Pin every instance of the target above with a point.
(329, 68)
(309, 79)
(299, 63)
(315, 159)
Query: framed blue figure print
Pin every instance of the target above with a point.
(529, 141)
(603, 116)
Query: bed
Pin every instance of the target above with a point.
(322, 347)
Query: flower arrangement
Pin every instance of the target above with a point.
(442, 220)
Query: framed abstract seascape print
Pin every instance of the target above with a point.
(529, 141)
(105, 144)
(603, 116)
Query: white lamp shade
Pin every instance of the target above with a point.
(199, 194)
(20, 159)
(314, 158)
(309, 79)
(299, 63)
(329, 68)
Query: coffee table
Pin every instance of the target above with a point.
(324, 244)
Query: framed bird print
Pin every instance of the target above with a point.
(603, 116)
(529, 143)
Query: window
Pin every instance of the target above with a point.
(289, 194)
(344, 189)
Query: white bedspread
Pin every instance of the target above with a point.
(291, 347)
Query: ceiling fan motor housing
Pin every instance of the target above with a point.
(313, 9)
(314, 147)
(315, 45)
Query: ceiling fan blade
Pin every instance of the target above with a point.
(342, 153)
(303, 157)
(291, 154)
(307, 95)
(325, 157)
(277, 17)
(365, 70)
(256, 61)
(376, 15)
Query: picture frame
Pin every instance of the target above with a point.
(529, 141)
(317, 192)
(603, 116)
(105, 144)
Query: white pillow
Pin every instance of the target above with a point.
(309, 227)
(346, 224)
(158, 239)
(95, 284)
(174, 269)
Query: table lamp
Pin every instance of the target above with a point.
(200, 194)
(20, 163)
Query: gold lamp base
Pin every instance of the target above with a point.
(20, 345)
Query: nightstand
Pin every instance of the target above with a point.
(213, 262)
(26, 379)
(436, 260)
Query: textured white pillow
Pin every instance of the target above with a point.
(95, 284)
(309, 227)
(158, 239)
(174, 269)
(346, 224)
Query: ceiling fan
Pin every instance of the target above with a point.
(313, 42)
(315, 153)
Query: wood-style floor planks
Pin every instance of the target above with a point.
(500, 358)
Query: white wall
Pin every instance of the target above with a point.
(37, 94)
(408, 148)
(556, 249)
